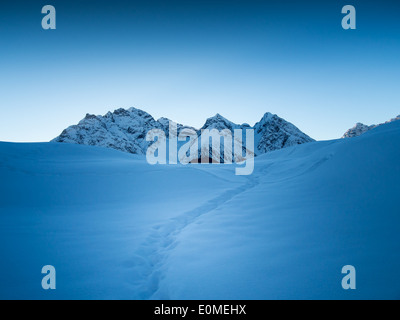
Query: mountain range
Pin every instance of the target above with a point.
(126, 129)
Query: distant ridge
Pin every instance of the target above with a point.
(361, 128)
(126, 129)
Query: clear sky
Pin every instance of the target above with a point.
(188, 60)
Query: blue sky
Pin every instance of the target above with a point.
(188, 60)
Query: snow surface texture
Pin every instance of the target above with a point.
(116, 227)
(361, 128)
(126, 130)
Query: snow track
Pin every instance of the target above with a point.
(148, 261)
(115, 227)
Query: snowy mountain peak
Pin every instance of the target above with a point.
(268, 116)
(361, 128)
(357, 130)
(90, 116)
(123, 129)
(164, 122)
(273, 133)
(220, 123)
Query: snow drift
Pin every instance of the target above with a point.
(116, 227)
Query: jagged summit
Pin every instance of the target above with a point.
(126, 129)
(273, 132)
(219, 122)
(357, 130)
(123, 129)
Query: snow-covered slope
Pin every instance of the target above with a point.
(126, 130)
(361, 128)
(114, 226)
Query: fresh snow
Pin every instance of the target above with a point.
(116, 227)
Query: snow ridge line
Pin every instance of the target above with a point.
(153, 252)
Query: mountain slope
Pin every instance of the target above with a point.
(116, 227)
(308, 211)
